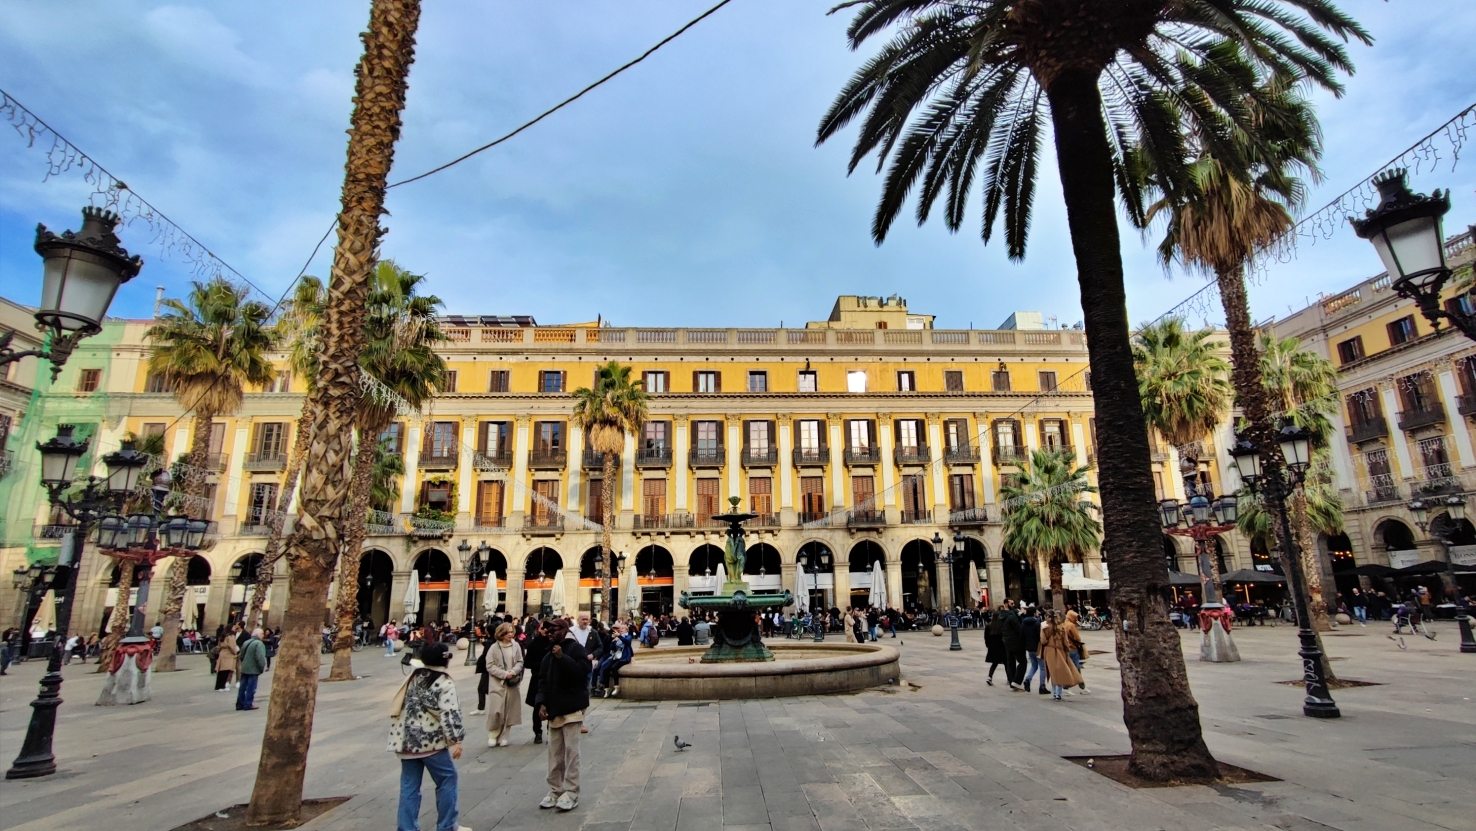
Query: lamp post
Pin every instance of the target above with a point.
(59, 457)
(946, 558)
(1275, 483)
(813, 566)
(1205, 519)
(1406, 230)
(1456, 507)
(81, 273)
(472, 564)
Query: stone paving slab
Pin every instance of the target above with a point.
(952, 754)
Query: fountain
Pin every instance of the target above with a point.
(738, 664)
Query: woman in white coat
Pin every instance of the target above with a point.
(504, 704)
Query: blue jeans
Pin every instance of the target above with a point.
(389, 648)
(246, 692)
(1361, 613)
(443, 773)
(1035, 663)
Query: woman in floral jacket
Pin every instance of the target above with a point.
(426, 733)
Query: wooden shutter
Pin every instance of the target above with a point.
(760, 496)
(596, 499)
(653, 493)
(489, 503)
(255, 437)
(863, 493)
(812, 494)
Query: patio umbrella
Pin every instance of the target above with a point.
(45, 620)
(1179, 578)
(722, 577)
(1427, 567)
(632, 588)
(1373, 570)
(1246, 575)
(412, 597)
(556, 597)
(489, 594)
(976, 591)
(878, 598)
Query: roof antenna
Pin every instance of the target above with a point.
(158, 300)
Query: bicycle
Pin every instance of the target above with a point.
(799, 630)
(1090, 622)
(1416, 623)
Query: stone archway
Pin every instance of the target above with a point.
(433, 569)
(656, 573)
(376, 581)
(539, 568)
(919, 575)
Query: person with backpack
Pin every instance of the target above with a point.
(426, 733)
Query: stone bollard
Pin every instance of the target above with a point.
(937, 630)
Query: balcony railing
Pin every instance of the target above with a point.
(808, 517)
(439, 458)
(760, 457)
(649, 522)
(547, 524)
(969, 516)
(1432, 413)
(763, 521)
(595, 460)
(917, 517)
(381, 523)
(266, 460)
(1374, 428)
(811, 456)
(494, 521)
(1009, 455)
(962, 454)
(919, 455)
(253, 527)
(866, 519)
(1061, 448)
(863, 455)
(1381, 489)
(548, 458)
(492, 461)
(49, 531)
(657, 456)
(217, 462)
(1466, 405)
(706, 456)
(1437, 478)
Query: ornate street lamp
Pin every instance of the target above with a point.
(1406, 230)
(98, 497)
(1275, 483)
(1204, 520)
(813, 566)
(946, 558)
(81, 273)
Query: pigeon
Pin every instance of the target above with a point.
(680, 745)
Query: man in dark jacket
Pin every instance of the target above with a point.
(536, 649)
(563, 696)
(1010, 632)
(1030, 631)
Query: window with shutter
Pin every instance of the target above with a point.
(549, 437)
(810, 437)
(961, 492)
(914, 499)
(906, 382)
(550, 381)
(1047, 380)
(761, 497)
(653, 498)
(953, 380)
(758, 381)
(809, 381)
(1053, 434)
(545, 502)
(863, 495)
(859, 433)
(595, 502)
(908, 430)
(654, 381)
(999, 380)
(812, 498)
(707, 500)
(497, 380)
(489, 504)
(705, 381)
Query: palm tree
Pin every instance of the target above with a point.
(323, 516)
(1183, 383)
(608, 412)
(1228, 211)
(208, 349)
(400, 335)
(384, 486)
(968, 81)
(1047, 517)
(299, 326)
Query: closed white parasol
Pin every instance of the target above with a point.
(412, 597)
(878, 598)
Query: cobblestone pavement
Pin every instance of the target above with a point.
(947, 754)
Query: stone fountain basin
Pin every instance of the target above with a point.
(797, 669)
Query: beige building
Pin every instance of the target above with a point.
(853, 439)
(1404, 428)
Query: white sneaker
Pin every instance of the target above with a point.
(502, 742)
(549, 801)
(477, 712)
(567, 802)
(1085, 691)
(491, 741)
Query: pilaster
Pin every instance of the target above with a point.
(520, 478)
(412, 473)
(514, 602)
(986, 459)
(837, 460)
(938, 469)
(786, 470)
(679, 447)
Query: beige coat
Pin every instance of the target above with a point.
(228, 650)
(504, 705)
(1055, 649)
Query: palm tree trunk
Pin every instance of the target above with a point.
(312, 551)
(177, 580)
(1250, 393)
(266, 573)
(1058, 590)
(348, 561)
(1159, 710)
(1311, 567)
(118, 621)
(607, 517)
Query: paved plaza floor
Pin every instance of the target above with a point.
(948, 753)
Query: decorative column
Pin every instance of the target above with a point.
(456, 609)
(939, 470)
(520, 479)
(887, 496)
(465, 477)
(234, 479)
(627, 484)
(576, 472)
(1396, 436)
(894, 582)
(514, 600)
(787, 515)
(986, 461)
(841, 595)
(1078, 442)
(735, 464)
(679, 446)
(1448, 391)
(837, 461)
(399, 584)
(412, 472)
(994, 564)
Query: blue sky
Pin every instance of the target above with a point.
(686, 192)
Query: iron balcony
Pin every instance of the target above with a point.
(1431, 414)
(919, 455)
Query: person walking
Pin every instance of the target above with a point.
(1030, 633)
(253, 664)
(426, 733)
(537, 647)
(1078, 651)
(563, 696)
(1055, 649)
(994, 649)
(502, 665)
(226, 660)
(1011, 634)
(391, 632)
